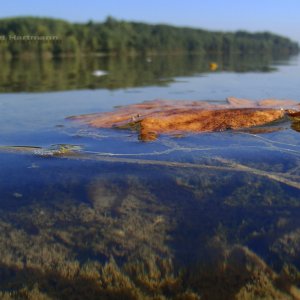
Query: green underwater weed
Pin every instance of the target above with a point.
(126, 243)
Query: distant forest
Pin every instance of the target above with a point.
(114, 37)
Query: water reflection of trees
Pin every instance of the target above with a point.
(123, 72)
(185, 234)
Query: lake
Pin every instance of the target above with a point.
(91, 213)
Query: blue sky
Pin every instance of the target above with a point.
(278, 16)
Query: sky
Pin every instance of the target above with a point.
(277, 16)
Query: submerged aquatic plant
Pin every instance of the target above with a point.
(126, 241)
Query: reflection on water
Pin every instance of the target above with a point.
(123, 72)
(216, 221)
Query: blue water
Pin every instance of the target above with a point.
(197, 200)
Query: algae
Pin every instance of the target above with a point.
(129, 240)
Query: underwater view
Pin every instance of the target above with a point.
(101, 213)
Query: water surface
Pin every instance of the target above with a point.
(210, 216)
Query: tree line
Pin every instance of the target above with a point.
(53, 37)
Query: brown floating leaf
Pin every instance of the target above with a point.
(239, 102)
(295, 116)
(277, 103)
(155, 117)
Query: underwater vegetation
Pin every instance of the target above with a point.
(190, 234)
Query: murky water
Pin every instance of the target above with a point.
(97, 214)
